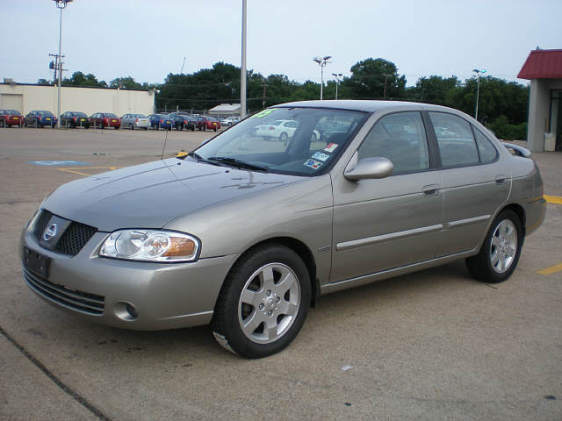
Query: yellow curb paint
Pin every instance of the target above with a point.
(550, 270)
(553, 199)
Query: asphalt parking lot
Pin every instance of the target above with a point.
(431, 345)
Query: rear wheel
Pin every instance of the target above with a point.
(263, 303)
(283, 137)
(501, 250)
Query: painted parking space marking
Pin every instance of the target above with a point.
(553, 199)
(59, 163)
(73, 170)
(550, 270)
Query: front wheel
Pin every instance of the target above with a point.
(263, 303)
(500, 252)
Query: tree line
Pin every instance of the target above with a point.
(503, 105)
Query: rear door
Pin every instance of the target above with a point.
(381, 224)
(473, 183)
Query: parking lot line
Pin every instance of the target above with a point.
(553, 199)
(74, 170)
(550, 270)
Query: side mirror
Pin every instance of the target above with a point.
(365, 168)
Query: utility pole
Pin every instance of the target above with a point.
(386, 76)
(264, 92)
(243, 63)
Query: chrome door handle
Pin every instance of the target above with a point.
(430, 189)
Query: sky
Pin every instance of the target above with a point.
(149, 39)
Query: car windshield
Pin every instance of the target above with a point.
(307, 146)
(110, 115)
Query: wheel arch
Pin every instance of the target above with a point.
(301, 249)
(519, 211)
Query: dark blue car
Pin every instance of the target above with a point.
(160, 121)
(40, 119)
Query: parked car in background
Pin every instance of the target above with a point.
(73, 119)
(103, 120)
(40, 118)
(9, 118)
(160, 121)
(135, 121)
(229, 121)
(278, 129)
(208, 123)
(247, 249)
(179, 121)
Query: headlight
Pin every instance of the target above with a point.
(150, 246)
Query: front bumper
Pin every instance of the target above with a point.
(164, 296)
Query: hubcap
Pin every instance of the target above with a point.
(269, 303)
(503, 246)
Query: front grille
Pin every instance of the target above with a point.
(74, 238)
(82, 302)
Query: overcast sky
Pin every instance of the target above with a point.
(149, 39)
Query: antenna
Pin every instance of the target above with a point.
(164, 145)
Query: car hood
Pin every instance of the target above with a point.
(152, 194)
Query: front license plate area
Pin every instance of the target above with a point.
(36, 262)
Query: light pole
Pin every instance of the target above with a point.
(61, 4)
(322, 61)
(337, 76)
(243, 63)
(478, 73)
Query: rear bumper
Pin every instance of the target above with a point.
(535, 212)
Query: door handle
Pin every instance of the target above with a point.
(500, 179)
(430, 189)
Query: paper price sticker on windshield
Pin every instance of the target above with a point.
(331, 147)
(321, 156)
(311, 163)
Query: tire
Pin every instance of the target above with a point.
(131, 127)
(116, 127)
(501, 250)
(283, 137)
(268, 289)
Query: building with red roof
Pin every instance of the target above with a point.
(544, 69)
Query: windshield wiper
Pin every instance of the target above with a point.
(237, 163)
(200, 158)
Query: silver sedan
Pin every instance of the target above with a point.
(245, 234)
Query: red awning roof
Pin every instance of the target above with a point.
(542, 64)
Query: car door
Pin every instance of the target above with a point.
(473, 183)
(382, 224)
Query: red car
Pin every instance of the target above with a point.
(9, 118)
(208, 123)
(103, 120)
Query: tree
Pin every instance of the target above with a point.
(80, 79)
(375, 78)
(436, 90)
(125, 83)
(43, 82)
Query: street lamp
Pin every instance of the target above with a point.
(322, 61)
(478, 73)
(338, 77)
(61, 4)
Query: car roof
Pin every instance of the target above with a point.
(369, 106)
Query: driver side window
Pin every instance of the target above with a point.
(401, 138)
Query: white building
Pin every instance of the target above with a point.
(27, 97)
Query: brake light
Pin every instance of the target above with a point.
(137, 120)
(161, 121)
(73, 118)
(105, 120)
